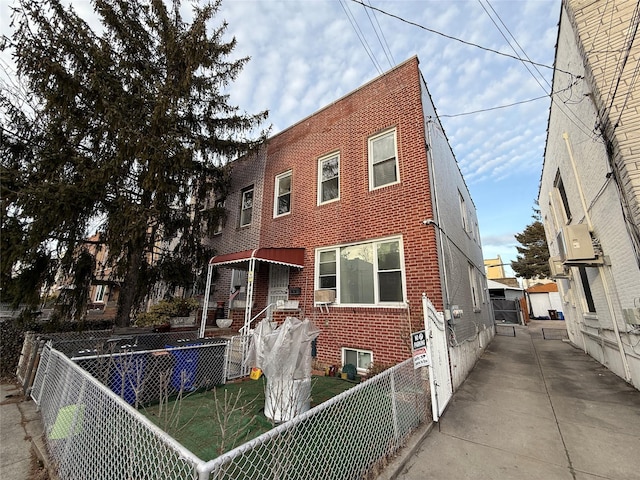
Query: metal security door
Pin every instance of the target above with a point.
(278, 285)
(438, 352)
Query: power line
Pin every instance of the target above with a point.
(457, 39)
(510, 104)
(391, 64)
(360, 36)
(577, 121)
(494, 108)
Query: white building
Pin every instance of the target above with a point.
(590, 187)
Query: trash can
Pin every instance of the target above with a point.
(185, 368)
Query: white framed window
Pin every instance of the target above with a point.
(329, 178)
(383, 160)
(368, 273)
(463, 212)
(100, 291)
(246, 207)
(475, 287)
(282, 197)
(562, 193)
(361, 359)
(220, 224)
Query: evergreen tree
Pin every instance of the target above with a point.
(533, 256)
(123, 130)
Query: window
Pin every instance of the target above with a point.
(220, 212)
(282, 201)
(586, 288)
(563, 196)
(463, 212)
(383, 160)
(246, 209)
(100, 291)
(363, 274)
(328, 178)
(361, 359)
(475, 291)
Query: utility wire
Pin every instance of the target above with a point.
(635, 21)
(510, 104)
(577, 121)
(360, 36)
(456, 39)
(493, 108)
(391, 64)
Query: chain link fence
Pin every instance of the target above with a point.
(93, 430)
(347, 437)
(93, 433)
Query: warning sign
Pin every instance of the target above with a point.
(419, 348)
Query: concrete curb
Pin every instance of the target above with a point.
(399, 461)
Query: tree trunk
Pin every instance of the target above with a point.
(129, 288)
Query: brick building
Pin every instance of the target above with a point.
(590, 187)
(346, 218)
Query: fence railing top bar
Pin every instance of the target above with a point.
(283, 427)
(182, 451)
(125, 353)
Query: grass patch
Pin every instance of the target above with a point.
(213, 422)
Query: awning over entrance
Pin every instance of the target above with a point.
(246, 260)
(293, 257)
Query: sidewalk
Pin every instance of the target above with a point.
(20, 429)
(532, 409)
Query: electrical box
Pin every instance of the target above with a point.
(556, 268)
(577, 243)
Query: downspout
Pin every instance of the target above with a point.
(205, 305)
(601, 269)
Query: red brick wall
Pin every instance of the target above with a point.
(392, 101)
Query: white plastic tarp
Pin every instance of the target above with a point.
(283, 351)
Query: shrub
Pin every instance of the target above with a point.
(165, 309)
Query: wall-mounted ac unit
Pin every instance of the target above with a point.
(556, 268)
(575, 244)
(324, 295)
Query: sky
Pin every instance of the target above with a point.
(305, 54)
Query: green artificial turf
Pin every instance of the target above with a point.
(209, 428)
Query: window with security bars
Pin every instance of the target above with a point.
(329, 178)
(383, 160)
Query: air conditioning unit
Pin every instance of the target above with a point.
(557, 268)
(575, 244)
(324, 296)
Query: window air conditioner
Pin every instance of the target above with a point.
(324, 296)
